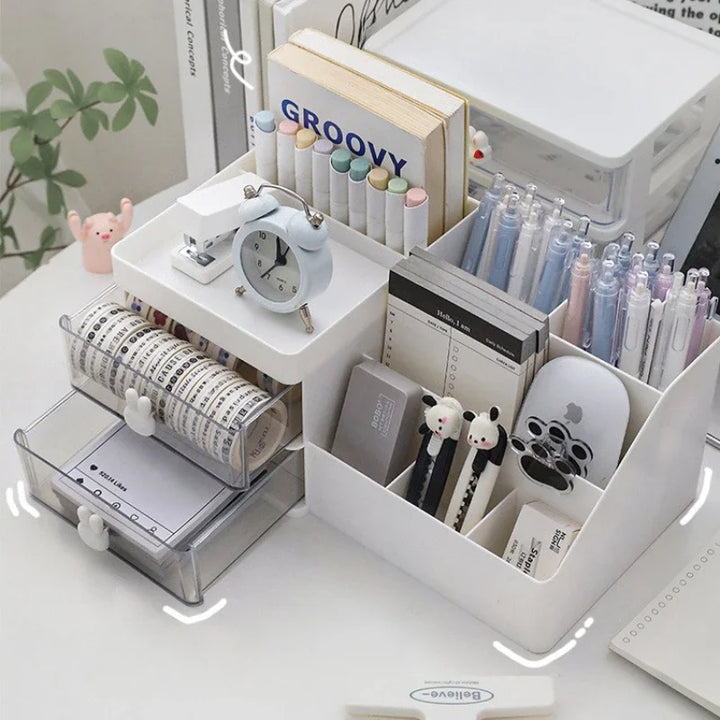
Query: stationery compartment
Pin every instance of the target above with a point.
(663, 449)
(177, 525)
(220, 413)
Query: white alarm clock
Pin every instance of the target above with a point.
(281, 254)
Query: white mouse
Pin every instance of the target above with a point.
(572, 422)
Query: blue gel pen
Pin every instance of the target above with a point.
(624, 256)
(573, 254)
(476, 242)
(508, 230)
(553, 267)
(605, 295)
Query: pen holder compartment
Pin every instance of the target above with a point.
(655, 479)
(216, 417)
(185, 563)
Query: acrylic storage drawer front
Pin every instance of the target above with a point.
(266, 429)
(186, 568)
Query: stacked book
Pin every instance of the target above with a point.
(398, 121)
(456, 335)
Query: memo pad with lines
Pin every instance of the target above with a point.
(676, 637)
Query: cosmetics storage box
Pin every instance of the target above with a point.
(619, 141)
(655, 481)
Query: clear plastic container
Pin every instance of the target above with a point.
(525, 158)
(233, 447)
(186, 563)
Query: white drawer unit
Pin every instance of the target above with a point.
(655, 480)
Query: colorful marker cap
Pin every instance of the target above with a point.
(288, 127)
(323, 146)
(397, 186)
(378, 178)
(340, 160)
(359, 168)
(265, 121)
(305, 138)
(415, 197)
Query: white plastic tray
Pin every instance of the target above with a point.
(276, 343)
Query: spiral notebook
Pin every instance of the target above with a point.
(676, 637)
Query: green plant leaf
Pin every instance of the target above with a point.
(89, 125)
(77, 89)
(118, 62)
(47, 237)
(21, 146)
(33, 260)
(62, 109)
(58, 80)
(146, 86)
(49, 156)
(32, 168)
(55, 197)
(136, 71)
(44, 126)
(112, 92)
(37, 94)
(124, 115)
(70, 177)
(11, 118)
(10, 232)
(149, 106)
(2, 245)
(101, 117)
(92, 93)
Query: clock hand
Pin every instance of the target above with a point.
(267, 272)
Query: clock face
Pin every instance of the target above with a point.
(270, 266)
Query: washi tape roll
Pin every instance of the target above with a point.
(198, 397)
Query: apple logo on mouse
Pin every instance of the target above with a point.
(573, 413)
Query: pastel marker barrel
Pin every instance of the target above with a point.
(321, 175)
(359, 169)
(339, 167)
(287, 130)
(377, 182)
(266, 146)
(304, 141)
(416, 219)
(394, 206)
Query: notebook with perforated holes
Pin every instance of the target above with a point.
(676, 637)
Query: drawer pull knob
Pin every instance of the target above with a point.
(138, 413)
(92, 529)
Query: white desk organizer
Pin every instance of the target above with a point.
(656, 479)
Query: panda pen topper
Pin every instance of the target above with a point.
(488, 441)
(281, 254)
(440, 431)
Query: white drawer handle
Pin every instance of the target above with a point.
(138, 413)
(92, 529)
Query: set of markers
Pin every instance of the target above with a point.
(348, 189)
(635, 312)
(518, 248)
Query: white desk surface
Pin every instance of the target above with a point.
(312, 619)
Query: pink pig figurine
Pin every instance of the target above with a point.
(98, 234)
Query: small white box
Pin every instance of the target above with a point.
(540, 540)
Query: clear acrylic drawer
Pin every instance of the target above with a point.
(217, 411)
(150, 505)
